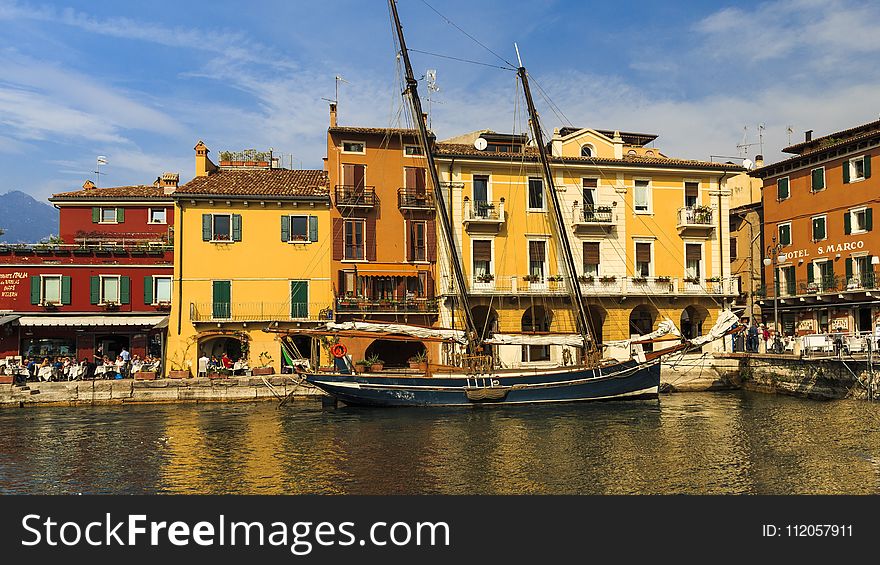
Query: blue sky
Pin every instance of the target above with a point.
(141, 82)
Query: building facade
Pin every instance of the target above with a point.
(384, 245)
(747, 243)
(818, 208)
(649, 235)
(251, 255)
(104, 285)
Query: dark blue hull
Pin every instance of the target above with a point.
(627, 380)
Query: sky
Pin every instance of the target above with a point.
(142, 82)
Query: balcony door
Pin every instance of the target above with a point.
(590, 186)
(481, 195)
(353, 179)
(222, 293)
(416, 182)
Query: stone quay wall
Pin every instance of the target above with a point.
(234, 389)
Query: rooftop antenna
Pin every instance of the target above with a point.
(336, 99)
(789, 130)
(761, 128)
(102, 160)
(431, 78)
(744, 146)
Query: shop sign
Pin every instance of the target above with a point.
(806, 325)
(10, 284)
(840, 324)
(826, 249)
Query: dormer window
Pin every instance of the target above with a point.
(587, 151)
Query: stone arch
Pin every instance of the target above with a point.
(596, 316)
(536, 319)
(643, 320)
(693, 320)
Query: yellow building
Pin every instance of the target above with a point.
(251, 253)
(650, 236)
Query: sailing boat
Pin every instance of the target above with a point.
(477, 381)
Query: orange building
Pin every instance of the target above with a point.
(384, 246)
(818, 207)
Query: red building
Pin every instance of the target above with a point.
(105, 285)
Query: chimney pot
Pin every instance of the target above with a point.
(759, 160)
(332, 114)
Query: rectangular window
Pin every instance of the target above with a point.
(413, 150)
(819, 232)
(691, 194)
(536, 194)
(784, 233)
(693, 254)
(642, 196)
(353, 147)
(299, 299)
(482, 258)
(110, 290)
(415, 180)
(733, 249)
(157, 216)
(108, 215)
(824, 273)
(161, 289)
(856, 169)
(591, 258)
(299, 228)
(590, 187)
(859, 220)
(221, 227)
(537, 259)
(418, 247)
(817, 179)
(782, 192)
(643, 260)
(481, 189)
(787, 280)
(354, 239)
(51, 290)
(222, 295)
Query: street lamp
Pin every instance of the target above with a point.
(774, 257)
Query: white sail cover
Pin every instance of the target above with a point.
(665, 327)
(724, 323)
(572, 340)
(402, 329)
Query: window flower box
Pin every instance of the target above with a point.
(639, 280)
(485, 278)
(608, 280)
(586, 278)
(532, 278)
(663, 279)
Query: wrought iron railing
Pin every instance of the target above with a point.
(256, 311)
(391, 306)
(356, 196)
(415, 199)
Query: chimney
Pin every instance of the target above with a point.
(759, 161)
(808, 136)
(618, 145)
(333, 114)
(204, 166)
(169, 182)
(556, 143)
(88, 185)
(158, 182)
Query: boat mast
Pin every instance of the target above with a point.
(573, 290)
(412, 94)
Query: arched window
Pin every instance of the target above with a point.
(536, 319)
(587, 151)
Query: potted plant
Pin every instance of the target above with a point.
(692, 280)
(375, 363)
(531, 278)
(607, 280)
(111, 306)
(663, 279)
(178, 365)
(145, 376)
(265, 367)
(555, 278)
(485, 277)
(419, 360)
(164, 305)
(586, 278)
(361, 366)
(639, 280)
(713, 279)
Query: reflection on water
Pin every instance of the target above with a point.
(688, 443)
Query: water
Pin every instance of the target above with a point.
(686, 443)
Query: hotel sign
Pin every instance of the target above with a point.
(826, 249)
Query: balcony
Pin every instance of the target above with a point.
(827, 288)
(355, 196)
(695, 220)
(119, 247)
(518, 285)
(608, 285)
(599, 218)
(479, 214)
(416, 200)
(257, 312)
(358, 305)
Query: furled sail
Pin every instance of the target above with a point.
(725, 321)
(572, 340)
(401, 329)
(665, 327)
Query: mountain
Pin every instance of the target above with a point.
(26, 220)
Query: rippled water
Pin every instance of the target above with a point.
(686, 443)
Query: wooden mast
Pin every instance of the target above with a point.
(412, 95)
(583, 326)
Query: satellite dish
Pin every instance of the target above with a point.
(748, 164)
(480, 144)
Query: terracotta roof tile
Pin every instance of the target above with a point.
(377, 131)
(260, 182)
(834, 139)
(135, 192)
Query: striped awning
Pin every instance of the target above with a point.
(5, 319)
(86, 320)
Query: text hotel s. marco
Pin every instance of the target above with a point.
(300, 537)
(826, 249)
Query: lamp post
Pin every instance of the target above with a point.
(774, 257)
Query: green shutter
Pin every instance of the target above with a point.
(236, 227)
(124, 290)
(830, 269)
(94, 289)
(869, 219)
(299, 299)
(782, 189)
(818, 179)
(313, 228)
(222, 292)
(847, 223)
(810, 278)
(867, 166)
(35, 289)
(148, 290)
(845, 172)
(285, 228)
(65, 290)
(849, 268)
(206, 227)
(120, 215)
(96, 214)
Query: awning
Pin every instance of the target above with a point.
(377, 273)
(5, 319)
(86, 320)
(163, 324)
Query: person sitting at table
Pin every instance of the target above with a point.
(227, 362)
(87, 369)
(119, 367)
